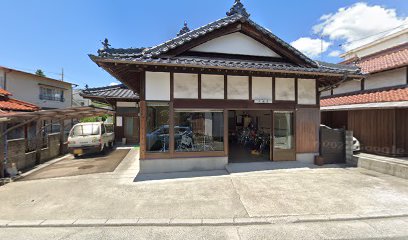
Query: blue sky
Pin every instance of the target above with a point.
(50, 35)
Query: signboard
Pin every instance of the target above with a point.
(119, 120)
(263, 101)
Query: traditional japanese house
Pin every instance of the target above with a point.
(125, 102)
(375, 108)
(229, 91)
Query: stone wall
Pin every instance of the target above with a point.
(350, 160)
(16, 152)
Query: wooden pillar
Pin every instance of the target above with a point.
(143, 116)
(61, 137)
(226, 143)
(38, 141)
(2, 150)
(171, 129)
(394, 132)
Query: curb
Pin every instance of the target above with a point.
(140, 222)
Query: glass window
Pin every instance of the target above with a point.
(283, 130)
(85, 130)
(157, 127)
(52, 94)
(198, 131)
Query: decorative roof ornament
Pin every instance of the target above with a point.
(185, 29)
(238, 8)
(106, 45)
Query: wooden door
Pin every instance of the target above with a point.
(131, 129)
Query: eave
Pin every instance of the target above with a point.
(100, 60)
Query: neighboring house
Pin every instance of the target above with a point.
(47, 93)
(375, 108)
(125, 102)
(9, 104)
(229, 91)
(78, 100)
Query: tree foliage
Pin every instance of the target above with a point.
(40, 73)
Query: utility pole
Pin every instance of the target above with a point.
(62, 74)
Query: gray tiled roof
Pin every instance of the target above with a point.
(116, 91)
(157, 54)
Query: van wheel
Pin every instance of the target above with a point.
(110, 144)
(76, 155)
(103, 150)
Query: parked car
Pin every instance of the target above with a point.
(356, 145)
(90, 137)
(158, 140)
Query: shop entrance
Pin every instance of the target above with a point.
(261, 135)
(249, 136)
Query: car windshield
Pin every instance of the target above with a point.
(86, 130)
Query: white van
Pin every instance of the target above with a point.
(90, 137)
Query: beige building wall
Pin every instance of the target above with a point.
(26, 87)
(349, 86)
(386, 79)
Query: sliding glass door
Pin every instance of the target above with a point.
(283, 136)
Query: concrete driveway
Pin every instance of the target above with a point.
(86, 164)
(279, 192)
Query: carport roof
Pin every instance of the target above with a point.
(60, 114)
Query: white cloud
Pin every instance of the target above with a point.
(113, 84)
(334, 53)
(312, 47)
(351, 24)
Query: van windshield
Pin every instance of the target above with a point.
(86, 130)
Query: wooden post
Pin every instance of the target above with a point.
(226, 143)
(2, 150)
(61, 137)
(171, 129)
(142, 129)
(38, 142)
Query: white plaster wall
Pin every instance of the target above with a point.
(236, 43)
(349, 86)
(285, 89)
(212, 86)
(185, 85)
(386, 79)
(26, 87)
(325, 93)
(238, 87)
(306, 91)
(382, 45)
(126, 104)
(158, 86)
(262, 88)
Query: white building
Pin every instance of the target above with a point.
(47, 93)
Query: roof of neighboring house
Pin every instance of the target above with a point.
(159, 55)
(394, 94)
(11, 104)
(387, 59)
(32, 74)
(4, 92)
(119, 91)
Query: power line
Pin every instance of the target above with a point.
(389, 30)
